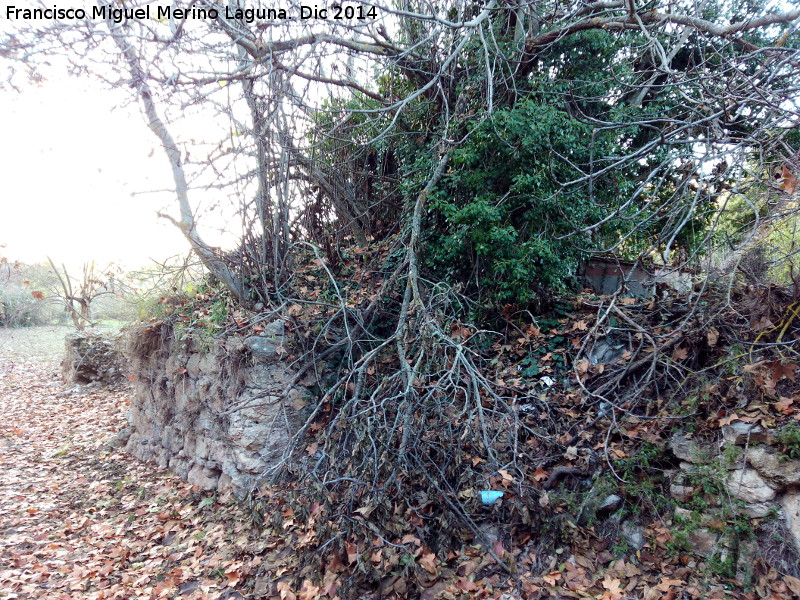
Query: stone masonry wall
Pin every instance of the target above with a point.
(92, 357)
(218, 413)
(762, 479)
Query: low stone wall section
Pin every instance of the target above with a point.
(218, 413)
(92, 357)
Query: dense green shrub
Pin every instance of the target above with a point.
(593, 150)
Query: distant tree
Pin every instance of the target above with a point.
(78, 294)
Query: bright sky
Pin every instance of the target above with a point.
(70, 163)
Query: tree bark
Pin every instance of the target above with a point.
(210, 258)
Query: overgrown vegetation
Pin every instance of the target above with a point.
(585, 423)
(415, 230)
(789, 439)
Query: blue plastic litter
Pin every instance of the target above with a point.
(489, 497)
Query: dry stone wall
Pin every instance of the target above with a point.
(92, 357)
(218, 413)
(763, 479)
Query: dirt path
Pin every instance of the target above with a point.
(81, 520)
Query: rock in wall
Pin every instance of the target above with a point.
(218, 413)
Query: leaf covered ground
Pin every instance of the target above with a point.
(80, 519)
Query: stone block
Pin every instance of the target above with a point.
(180, 466)
(201, 446)
(786, 473)
(790, 503)
(193, 365)
(92, 357)
(758, 511)
(224, 483)
(740, 434)
(270, 344)
(247, 434)
(161, 456)
(749, 486)
(248, 462)
(634, 535)
(172, 438)
(688, 449)
(203, 477)
(681, 492)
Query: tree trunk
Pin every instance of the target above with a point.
(210, 258)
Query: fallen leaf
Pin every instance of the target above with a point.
(465, 585)
(784, 405)
(613, 586)
(352, 552)
(667, 583)
(780, 370)
(761, 324)
(651, 593)
(793, 583)
(729, 419)
(506, 476)
(787, 180)
(365, 511)
(285, 591)
(552, 577)
(428, 562)
(680, 353)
